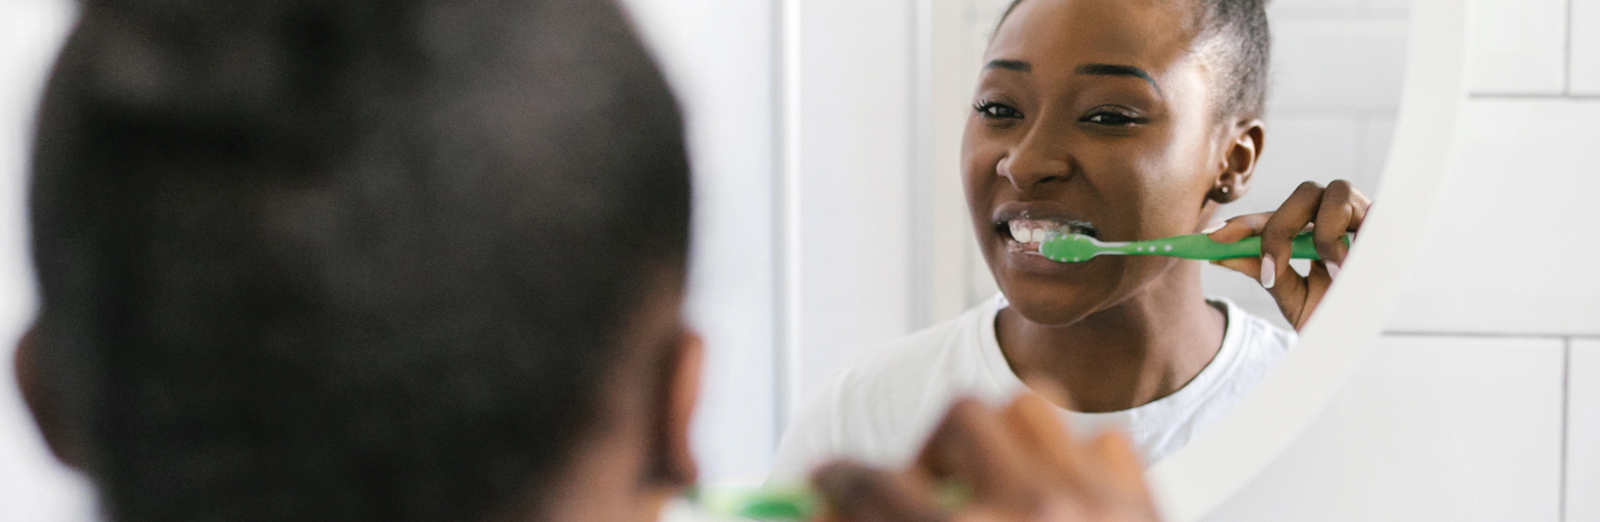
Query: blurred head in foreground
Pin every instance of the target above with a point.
(363, 260)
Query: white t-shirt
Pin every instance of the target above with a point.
(880, 409)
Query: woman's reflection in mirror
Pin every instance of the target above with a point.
(1122, 120)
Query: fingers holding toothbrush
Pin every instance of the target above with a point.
(1330, 212)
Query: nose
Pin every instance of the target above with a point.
(1041, 157)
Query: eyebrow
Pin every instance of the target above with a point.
(1107, 69)
(1010, 65)
(1089, 69)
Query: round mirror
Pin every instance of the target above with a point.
(828, 136)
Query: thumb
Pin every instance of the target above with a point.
(1250, 266)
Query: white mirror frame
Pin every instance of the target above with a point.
(1218, 464)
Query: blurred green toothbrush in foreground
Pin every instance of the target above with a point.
(786, 504)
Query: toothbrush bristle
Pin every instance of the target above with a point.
(1069, 248)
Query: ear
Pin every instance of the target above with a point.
(676, 467)
(44, 403)
(1243, 145)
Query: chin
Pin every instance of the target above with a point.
(1061, 299)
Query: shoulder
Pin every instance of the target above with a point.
(1261, 335)
(1255, 343)
(874, 410)
(916, 370)
(912, 358)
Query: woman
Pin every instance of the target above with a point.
(1123, 120)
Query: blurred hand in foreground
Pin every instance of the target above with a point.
(1013, 465)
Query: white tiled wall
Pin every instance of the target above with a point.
(1457, 429)
(1513, 250)
(1585, 61)
(1518, 47)
(1387, 6)
(1528, 172)
(1344, 61)
(1583, 431)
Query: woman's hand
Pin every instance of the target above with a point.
(1015, 465)
(1332, 211)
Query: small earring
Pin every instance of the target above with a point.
(1224, 189)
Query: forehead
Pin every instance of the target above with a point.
(1059, 34)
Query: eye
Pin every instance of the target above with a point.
(997, 110)
(1112, 118)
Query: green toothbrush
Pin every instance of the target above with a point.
(787, 504)
(1072, 248)
(771, 504)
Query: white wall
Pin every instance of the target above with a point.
(33, 486)
(804, 123)
(1483, 400)
(724, 82)
(855, 171)
(849, 72)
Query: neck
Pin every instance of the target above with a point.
(1139, 350)
(603, 479)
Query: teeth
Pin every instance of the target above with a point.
(1035, 231)
(1027, 231)
(1020, 231)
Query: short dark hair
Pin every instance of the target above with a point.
(356, 260)
(1234, 36)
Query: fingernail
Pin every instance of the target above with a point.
(1333, 269)
(1214, 227)
(1269, 271)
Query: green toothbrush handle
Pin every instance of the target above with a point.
(792, 504)
(1200, 246)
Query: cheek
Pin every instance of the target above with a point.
(1187, 162)
(979, 159)
(1151, 184)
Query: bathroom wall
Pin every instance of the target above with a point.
(1482, 401)
(724, 81)
(32, 485)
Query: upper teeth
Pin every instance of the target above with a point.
(1035, 231)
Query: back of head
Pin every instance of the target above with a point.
(359, 260)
